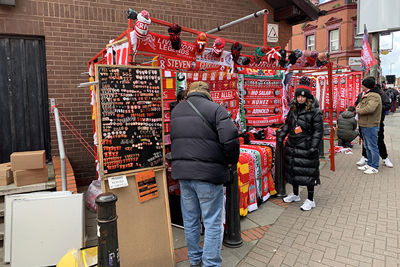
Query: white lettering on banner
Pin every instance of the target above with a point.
(208, 57)
(162, 45)
(256, 102)
(260, 92)
(222, 95)
(260, 111)
(117, 182)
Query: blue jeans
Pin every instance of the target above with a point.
(206, 199)
(370, 139)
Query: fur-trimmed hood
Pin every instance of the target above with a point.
(200, 87)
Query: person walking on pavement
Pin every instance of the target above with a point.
(369, 111)
(204, 145)
(304, 128)
(347, 126)
(386, 104)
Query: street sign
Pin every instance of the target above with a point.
(272, 33)
(354, 61)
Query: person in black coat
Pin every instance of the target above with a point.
(386, 105)
(347, 126)
(179, 98)
(304, 128)
(204, 145)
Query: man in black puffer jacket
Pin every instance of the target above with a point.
(202, 152)
(347, 126)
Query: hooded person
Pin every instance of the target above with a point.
(204, 145)
(304, 130)
(347, 126)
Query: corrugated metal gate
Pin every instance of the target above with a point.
(24, 114)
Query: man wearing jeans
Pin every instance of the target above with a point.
(204, 144)
(369, 115)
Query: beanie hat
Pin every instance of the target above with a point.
(303, 88)
(258, 54)
(303, 91)
(369, 82)
(174, 35)
(218, 47)
(201, 43)
(200, 87)
(235, 49)
(142, 24)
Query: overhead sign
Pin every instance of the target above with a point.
(379, 15)
(272, 33)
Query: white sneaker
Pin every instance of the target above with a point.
(362, 161)
(371, 171)
(291, 197)
(387, 163)
(363, 168)
(308, 204)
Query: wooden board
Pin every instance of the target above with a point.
(144, 229)
(129, 118)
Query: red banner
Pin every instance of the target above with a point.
(264, 111)
(342, 94)
(169, 63)
(160, 44)
(223, 95)
(169, 94)
(336, 87)
(263, 121)
(357, 86)
(350, 90)
(257, 102)
(259, 93)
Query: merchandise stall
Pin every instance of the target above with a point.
(131, 117)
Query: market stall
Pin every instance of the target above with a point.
(131, 115)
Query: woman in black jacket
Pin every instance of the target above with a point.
(304, 128)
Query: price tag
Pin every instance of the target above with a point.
(117, 182)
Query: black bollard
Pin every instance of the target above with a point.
(107, 254)
(232, 232)
(280, 185)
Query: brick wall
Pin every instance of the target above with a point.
(75, 31)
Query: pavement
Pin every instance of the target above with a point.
(356, 221)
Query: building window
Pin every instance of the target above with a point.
(357, 39)
(310, 42)
(334, 40)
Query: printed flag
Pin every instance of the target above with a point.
(367, 58)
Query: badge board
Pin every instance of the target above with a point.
(129, 119)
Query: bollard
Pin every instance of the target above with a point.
(232, 232)
(107, 254)
(280, 185)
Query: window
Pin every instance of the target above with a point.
(334, 40)
(357, 39)
(310, 42)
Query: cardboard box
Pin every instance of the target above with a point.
(27, 177)
(6, 175)
(28, 160)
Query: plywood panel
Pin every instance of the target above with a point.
(144, 229)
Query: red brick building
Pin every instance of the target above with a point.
(334, 32)
(45, 46)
